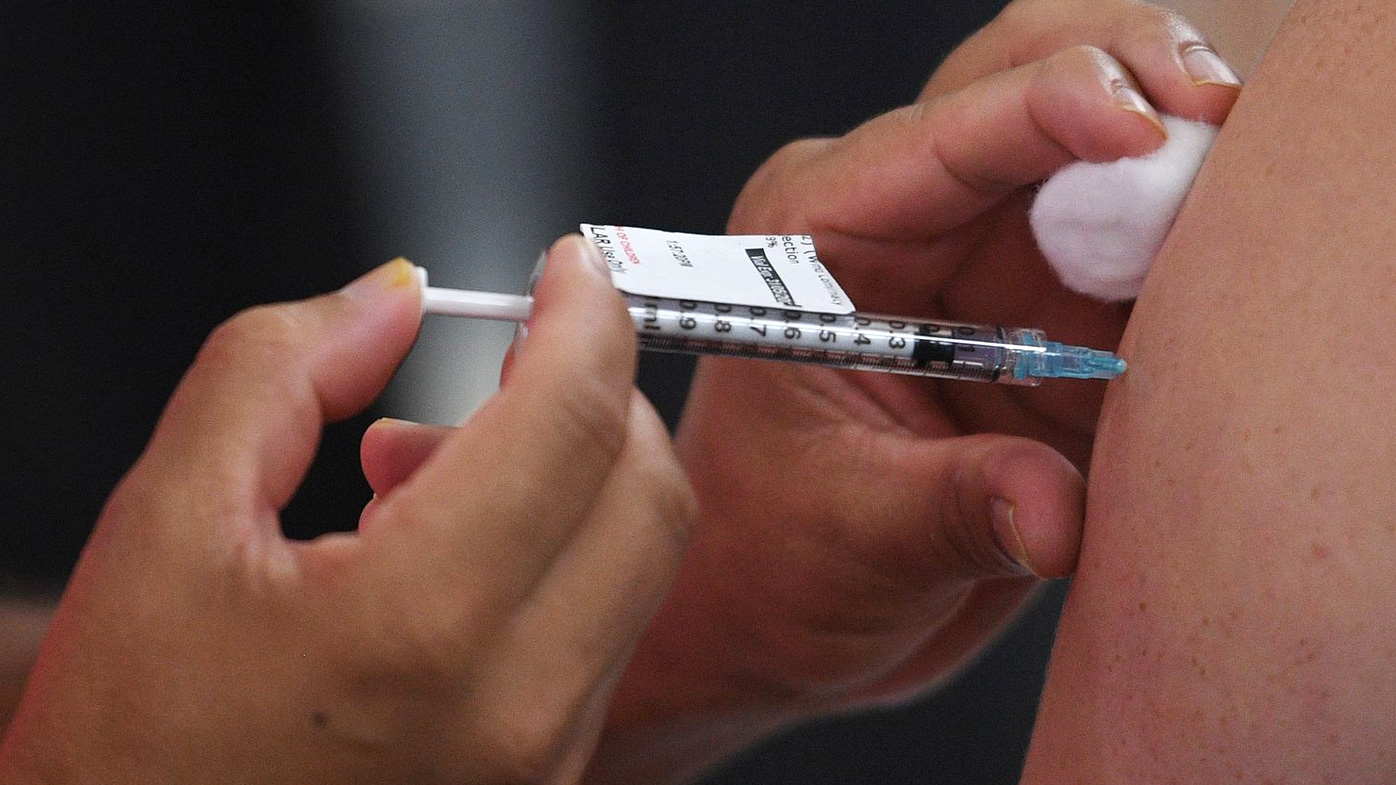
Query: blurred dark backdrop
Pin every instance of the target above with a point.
(167, 165)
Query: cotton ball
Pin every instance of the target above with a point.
(1101, 224)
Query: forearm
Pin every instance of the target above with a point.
(1231, 616)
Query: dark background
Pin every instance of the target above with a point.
(165, 166)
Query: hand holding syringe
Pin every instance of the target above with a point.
(916, 347)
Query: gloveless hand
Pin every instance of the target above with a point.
(469, 631)
(863, 534)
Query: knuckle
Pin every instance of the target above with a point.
(149, 494)
(793, 154)
(264, 330)
(1080, 56)
(132, 498)
(913, 116)
(1148, 24)
(1017, 15)
(1081, 65)
(614, 332)
(524, 743)
(968, 529)
(676, 507)
(266, 343)
(668, 512)
(956, 160)
(416, 638)
(132, 506)
(586, 416)
(789, 157)
(770, 199)
(424, 646)
(1028, 20)
(652, 467)
(429, 642)
(1158, 18)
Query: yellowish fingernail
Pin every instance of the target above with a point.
(1001, 514)
(1131, 100)
(592, 254)
(397, 274)
(583, 248)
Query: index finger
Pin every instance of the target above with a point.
(911, 177)
(1179, 70)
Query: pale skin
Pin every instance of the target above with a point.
(1231, 618)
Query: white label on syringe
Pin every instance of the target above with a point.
(773, 271)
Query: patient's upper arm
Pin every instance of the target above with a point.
(1234, 616)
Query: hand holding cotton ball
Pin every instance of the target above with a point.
(1101, 224)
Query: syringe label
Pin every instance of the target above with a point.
(775, 271)
(771, 277)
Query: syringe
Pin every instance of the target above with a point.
(857, 341)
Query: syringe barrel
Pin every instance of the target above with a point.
(932, 348)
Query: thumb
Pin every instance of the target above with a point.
(997, 505)
(246, 419)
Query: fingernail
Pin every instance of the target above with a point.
(1205, 66)
(1001, 513)
(521, 329)
(592, 254)
(1131, 100)
(397, 274)
(520, 338)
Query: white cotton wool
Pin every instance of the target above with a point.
(1101, 224)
